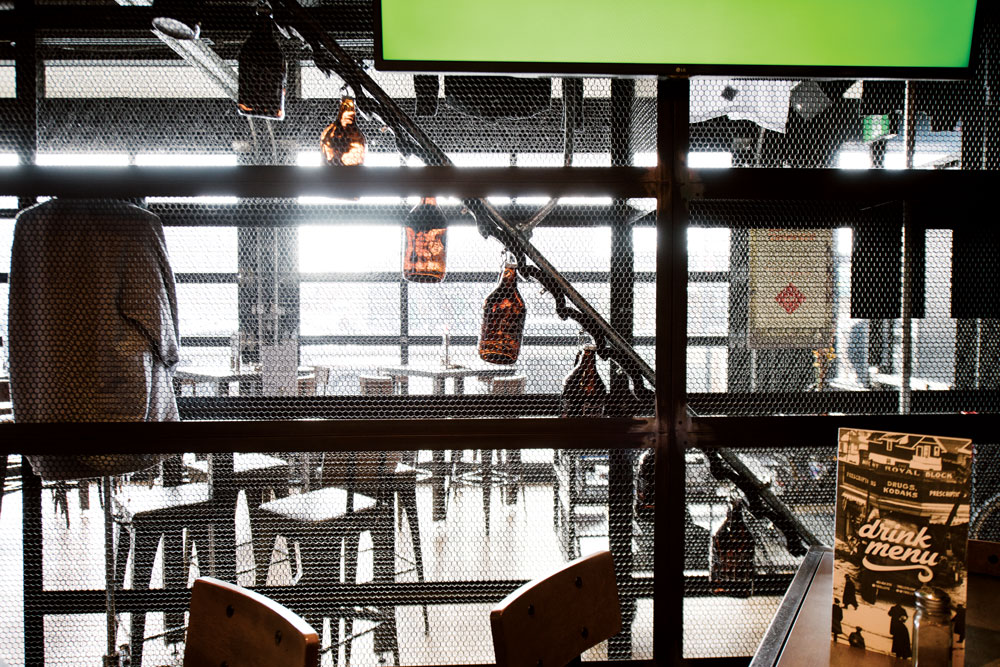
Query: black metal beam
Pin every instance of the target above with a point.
(281, 181)
(810, 431)
(874, 185)
(332, 435)
(222, 21)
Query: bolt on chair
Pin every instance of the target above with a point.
(230, 625)
(552, 620)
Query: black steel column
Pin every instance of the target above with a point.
(29, 78)
(739, 371)
(27, 74)
(622, 293)
(671, 347)
(31, 537)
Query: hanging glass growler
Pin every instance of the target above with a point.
(503, 320)
(263, 72)
(731, 554)
(584, 393)
(342, 141)
(425, 249)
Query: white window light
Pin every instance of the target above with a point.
(82, 160)
(710, 160)
(184, 160)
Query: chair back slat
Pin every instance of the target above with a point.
(231, 625)
(550, 621)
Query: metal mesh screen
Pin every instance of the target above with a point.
(847, 124)
(317, 307)
(721, 583)
(298, 309)
(794, 308)
(431, 542)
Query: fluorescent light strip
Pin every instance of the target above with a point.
(81, 160)
(184, 160)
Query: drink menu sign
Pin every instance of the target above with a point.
(902, 523)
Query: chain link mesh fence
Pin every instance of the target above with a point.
(297, 308)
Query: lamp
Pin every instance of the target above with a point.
(180, 19)
(263, 72)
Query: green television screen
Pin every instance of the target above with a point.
(905, 38)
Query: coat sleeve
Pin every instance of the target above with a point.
(147, 296)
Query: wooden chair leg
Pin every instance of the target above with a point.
(124, 548)
(408, 505)
(3, 477)
(486, 466)
(513, 468)
(264, 531)
(351, 546)
(143, 555)
(174, 576)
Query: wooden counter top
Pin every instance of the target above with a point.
(800, 632)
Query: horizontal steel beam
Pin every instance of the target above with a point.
(968, 188)
(874, 185)
(229, 21)
(821, 431)
(327, 435)
(281, 181)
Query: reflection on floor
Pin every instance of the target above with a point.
(521, 545)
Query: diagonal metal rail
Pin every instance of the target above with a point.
(411, 138)
(331, 57)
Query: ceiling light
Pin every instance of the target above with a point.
(180, 19)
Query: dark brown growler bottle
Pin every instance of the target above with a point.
(731, 555)
(425, 249)
(503, 320)
(645, 485)
(263, 72)
(584, 393)
(343, 142)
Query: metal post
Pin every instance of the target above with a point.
(671, 348)
(622, 297)
(29, 80)
(909, 243)
(111, 658)
(31, 538)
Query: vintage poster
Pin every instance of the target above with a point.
(791, 288)
(902, 523)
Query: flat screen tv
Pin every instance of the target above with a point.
(928, 39)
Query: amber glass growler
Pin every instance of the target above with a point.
(425, 249)
(584, 393)
(263, 72)
(731, 555)
(343, 142)
(503, 320)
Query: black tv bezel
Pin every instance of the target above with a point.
(680, 69)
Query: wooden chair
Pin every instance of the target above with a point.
(550, 622)
(183, 515)
(508, 470)
(230, 625)
(326, 523)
